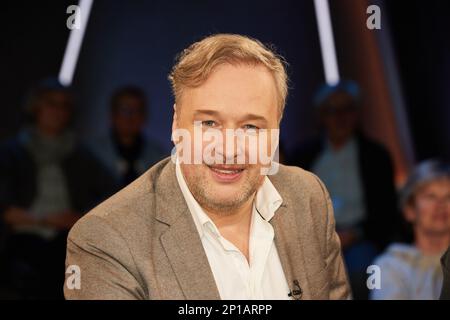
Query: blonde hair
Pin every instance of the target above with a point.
(194, 65)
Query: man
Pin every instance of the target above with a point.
(125, 150)
(359, 176)
(47, 181)
(413, 271)
(214, 229)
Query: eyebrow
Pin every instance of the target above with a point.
(248, 116)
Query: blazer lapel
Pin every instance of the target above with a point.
(290, 250)
(184, 249)
(294, 240)
(181, 241)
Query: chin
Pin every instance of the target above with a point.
(221, 195)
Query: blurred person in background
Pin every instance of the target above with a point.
(445, 262)
(358, 173)
(125, 150)
(47, 181)
(413, 271)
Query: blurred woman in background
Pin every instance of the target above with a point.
(413, 271)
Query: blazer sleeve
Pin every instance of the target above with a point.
(103, 261)
(339, 285)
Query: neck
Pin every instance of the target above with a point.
(238, 218)
(235, 226)
(431, 244)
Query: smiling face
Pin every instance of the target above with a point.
(233, 97)
(429, 210)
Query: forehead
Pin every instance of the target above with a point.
(441, 185)
(129, 99)
(339, 99)
(235, 89)
(55, 96)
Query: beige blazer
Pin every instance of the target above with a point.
(142, 243)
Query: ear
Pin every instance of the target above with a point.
(409, 213)
(175, 118)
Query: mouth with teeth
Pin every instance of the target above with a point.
(223, 173)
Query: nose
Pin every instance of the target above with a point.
(231, 148)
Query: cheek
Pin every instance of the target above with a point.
(39, 115)
(447, 210)
(258, 150)
(43, 113)
(55, 117)
(333, 123)
(194, 173)
(425, 212)
(136, 124)
(353, 119)
(254, 174)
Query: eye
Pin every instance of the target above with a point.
(209, 123)
(250, 126)
(430, 196)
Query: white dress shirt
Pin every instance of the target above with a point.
(261, 278)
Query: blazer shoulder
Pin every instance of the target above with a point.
(304, 191)
(130, 208)
(296, 179)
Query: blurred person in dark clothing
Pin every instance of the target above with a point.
(358, 173)
(445, 262)
(125, 150)
(413, 271)
(47, 181)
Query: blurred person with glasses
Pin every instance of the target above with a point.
(413, 271)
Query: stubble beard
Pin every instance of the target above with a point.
(203, 191)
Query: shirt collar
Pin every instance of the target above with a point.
(267, 201)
